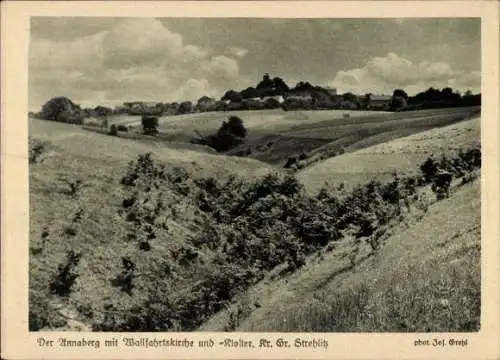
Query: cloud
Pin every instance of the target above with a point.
(136, 59)
(238, 52)
(384, 74)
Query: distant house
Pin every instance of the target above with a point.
(253, 103)
(302, 96)
(278, 98)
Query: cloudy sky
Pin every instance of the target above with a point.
(112, 60)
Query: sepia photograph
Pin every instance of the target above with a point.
(292, 175)
(240, 180)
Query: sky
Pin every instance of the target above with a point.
(107, 61)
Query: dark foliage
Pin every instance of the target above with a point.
(232, 96)
(435, 98)
(113, 130)
(229, 135)
(36, 150)
(66, 275)
(149, 125)
(125, 279)
(62, 109)
(440, 173)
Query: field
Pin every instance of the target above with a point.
(401, 155)
(326, 138)
(256, 121)
(217, 243)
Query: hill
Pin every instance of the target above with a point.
(274, 136)
(78, 144)
(426, 277)
(381, 160)
(315, 139)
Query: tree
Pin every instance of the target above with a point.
(249, 93)
(281, 86)
(398, 103)
(62, 109)
(266, 83)
(185, 107)
(229, 135)
(149, 125)
(234, 127)
(401, 93)
(350, 97)
(367, 100)
(232, 96)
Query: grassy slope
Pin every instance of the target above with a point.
(379, 161)
(324, 138)
(82, 144)
(421, 279)
(101, 235)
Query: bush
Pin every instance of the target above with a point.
(36, 149)
(149, 125)
(66, 275)
(441, 173)
(113, 130)
(124, 279)
(229, 135)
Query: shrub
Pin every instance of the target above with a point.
(70, 230)
(36, 149)
(229, 135)
(38, 311)
(429, 169)
(149, 125)
(124, 279)
(113, 130)
(66, 275)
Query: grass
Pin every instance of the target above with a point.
(411, 300)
